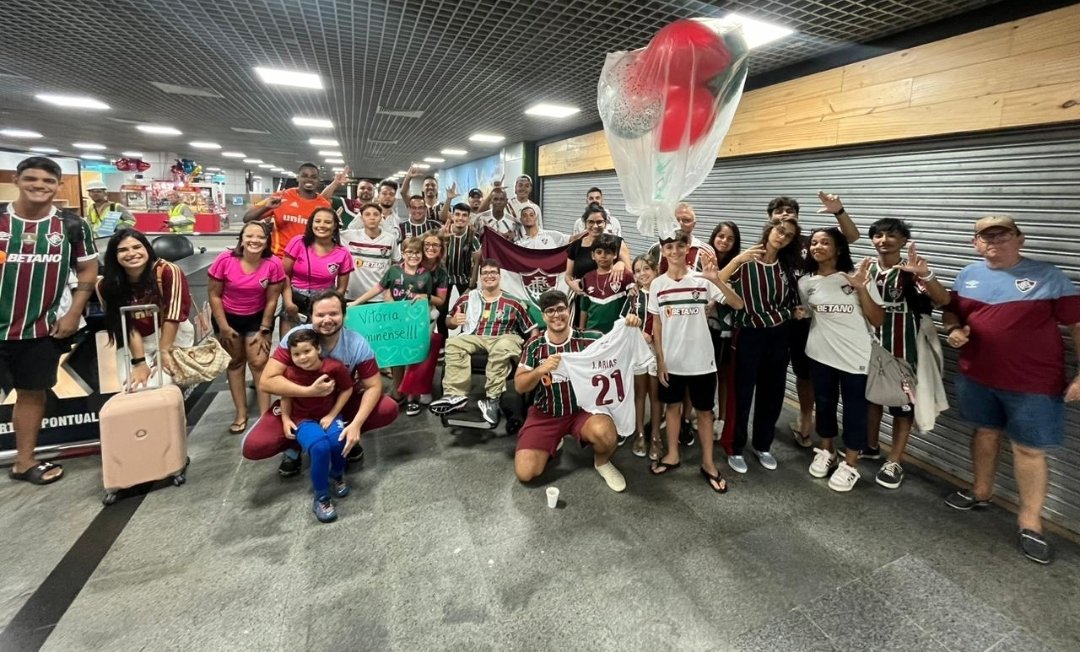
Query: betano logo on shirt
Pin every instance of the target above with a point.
(29, 258)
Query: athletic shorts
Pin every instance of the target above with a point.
(702, 390)
(543, 433)
(243, 324)
(798, 333)
(1033, 420)
(31, 364)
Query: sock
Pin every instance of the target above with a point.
(292, 453)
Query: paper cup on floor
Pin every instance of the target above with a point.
(552, 497)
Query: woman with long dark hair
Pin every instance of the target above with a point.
(579, 260)
(840, 301)
(313, 262)
(244, 285)
(134, 275)
(726, 241)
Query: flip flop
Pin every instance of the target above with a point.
(663, 468)
(721, 485)
(804, 441)
(238, 427)
(36, 474)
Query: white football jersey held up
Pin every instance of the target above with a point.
(603, 374)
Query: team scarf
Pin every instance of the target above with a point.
(527, 273)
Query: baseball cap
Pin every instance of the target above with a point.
(476, 192)
(995, 221)
(96, 185)
(525, 177)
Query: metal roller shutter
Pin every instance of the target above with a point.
(940, 187)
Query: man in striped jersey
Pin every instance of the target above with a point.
(418, 223)
(909, 287)
(555, 412)
(490, 321)
(38, 249)
(462, 250)
(430, 196)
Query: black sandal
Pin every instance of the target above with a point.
(716, 482)
(663, 468)
(36, 474)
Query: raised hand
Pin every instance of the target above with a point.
(1072, 393)
(915, 263)
(753, 253)
(861, 276)
(341, 178)
(830, 203)
(452, 191)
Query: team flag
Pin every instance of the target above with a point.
(527, 273)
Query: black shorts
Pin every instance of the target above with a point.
(721, 348)
(702, 390)
(798, 333)
(30, 364)
(903, 411)
(243, 324)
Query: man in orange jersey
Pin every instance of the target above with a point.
(289, 211)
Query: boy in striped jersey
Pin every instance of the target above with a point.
(462, 250)
(490, 321)
(555, 412)
(605, 289)
(38, 250)
(908, 288)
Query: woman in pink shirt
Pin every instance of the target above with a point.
(314, 262)
(244, 286)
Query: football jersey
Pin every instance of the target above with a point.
(839, 333)
(680, 307)
(409, 229)
(694, 260)
(554, 396)
(501, 317)
(605, 295)
(371, 258)
(542, 240)
(900, 331)
(402, 284)
(768, 292)
(291, 217)
(602, 376)
(459, 256)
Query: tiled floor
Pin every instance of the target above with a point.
(438, 547)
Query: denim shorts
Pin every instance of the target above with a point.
(1033, 420)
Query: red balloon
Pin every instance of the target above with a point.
(686, 53)
(688, 115)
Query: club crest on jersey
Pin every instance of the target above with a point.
(265, 283)
(847, 288)
(1025, 284)
(894, 294)
(332, 268)
(55, 239)
(538, 282)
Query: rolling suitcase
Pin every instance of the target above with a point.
(143, 431)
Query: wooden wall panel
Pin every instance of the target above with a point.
(1022, 73)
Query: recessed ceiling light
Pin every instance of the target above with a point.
(204, 144)
(257, 177)
(265, 166)
(132, 154)
(159, 130)
(421, 166)
(324, 142)
(327, 152)
(288, 78)
(334, 161)
(253, 160)
(88, 146)
(453, 152)
(756, 32)
(321, 123)
(552, 110)
(435, 159)
(44, 150)
(337, 169)
(486, 138)
(93, 157)
(213, 169)
(245, 130)
(20, 133)
(234, 155)
(72, 101)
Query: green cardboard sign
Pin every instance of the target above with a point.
(398, 331)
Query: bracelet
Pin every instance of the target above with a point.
(928, 277)
(840, 212)
(137, 361)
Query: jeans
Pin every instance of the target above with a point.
(325, 450)
(830, 384)
(761, 359)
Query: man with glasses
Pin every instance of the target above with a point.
(418, 223)
(490, 321)
(1004, 317)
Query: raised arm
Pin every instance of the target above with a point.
(832, 204)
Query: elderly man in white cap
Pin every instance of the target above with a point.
(99, 208)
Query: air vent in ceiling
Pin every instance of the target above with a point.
(400, 113)
(193, 91)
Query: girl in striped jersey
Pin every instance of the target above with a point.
(766, 283)
(909, 290)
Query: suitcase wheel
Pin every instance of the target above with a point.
(179, 479)
(513, 424)
(109, 498)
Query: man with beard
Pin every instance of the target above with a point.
(348, 209)
(386, 199)
(596, 196)
(288, 211)
(367, 408)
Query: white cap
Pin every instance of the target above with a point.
(96, 185)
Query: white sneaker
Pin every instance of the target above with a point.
(425, 399)
(737, 463)
(611, 475)
(824, 462)
(717, 429)
(844, 478)
(766, 458)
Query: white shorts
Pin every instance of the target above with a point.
(647, 367)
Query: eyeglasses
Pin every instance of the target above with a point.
(412, 253)
(490, 272)
(433, 246)
(556, 310)
(990, 237)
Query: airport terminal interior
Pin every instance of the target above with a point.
(187, 121)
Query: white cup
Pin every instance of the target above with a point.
(553, 496)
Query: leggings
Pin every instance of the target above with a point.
(761, 359)
(326, 453)
(829, 385)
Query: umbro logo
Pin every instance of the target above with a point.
(971, 285)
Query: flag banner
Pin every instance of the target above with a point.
(398, 331)
(527, 273)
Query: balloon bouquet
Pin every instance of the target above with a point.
(666, 109)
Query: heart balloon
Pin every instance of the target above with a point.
(141, 166)
(688, 114)
(686, 53)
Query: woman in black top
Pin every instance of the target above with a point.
(579, 260)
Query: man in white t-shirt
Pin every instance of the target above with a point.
(387, 200)
(533, 237)
(596, 196)
(684, 359)
(373, 250)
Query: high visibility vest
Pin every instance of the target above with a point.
(178, 211)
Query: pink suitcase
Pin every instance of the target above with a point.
(143, 432)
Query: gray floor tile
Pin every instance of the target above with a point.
(1020, 640)
(792, 632)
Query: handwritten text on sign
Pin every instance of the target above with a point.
(398, 331)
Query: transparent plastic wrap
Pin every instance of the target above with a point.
(666, 109)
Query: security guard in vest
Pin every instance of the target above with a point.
(100, 208)
(181, 216)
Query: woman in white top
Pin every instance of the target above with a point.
(839, 301)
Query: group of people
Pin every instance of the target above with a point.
(788, 297)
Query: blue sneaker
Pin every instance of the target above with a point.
(324, 509)
(338, 487)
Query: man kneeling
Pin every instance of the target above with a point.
(555, 412)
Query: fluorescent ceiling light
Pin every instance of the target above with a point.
(213, 169)
(552, 110)
(327, 152)
(321, 123)
(486, 138)
(257, 177)
(337, 169)
(266, 166)
(253, 160)
(44, 150)
(335, 161)
(435, 159)
(132, 154)
(245, 130)
(756, 32)
(72, 101)
(288, 78)
(324, 142)
(453, 152)
(159, 130)
(93, 157)
(96, 146)
(20, 133)
(234, 155)
(203, 144)
(421, 166)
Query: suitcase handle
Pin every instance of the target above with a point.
(124, 312)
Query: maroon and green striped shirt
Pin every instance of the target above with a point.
(767, 293)
(36, 258)
(554, 396)
(499, 317)
(459, 256)
(900, 331)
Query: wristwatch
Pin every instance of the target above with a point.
(266, 331)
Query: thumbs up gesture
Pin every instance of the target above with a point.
(959, 337)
